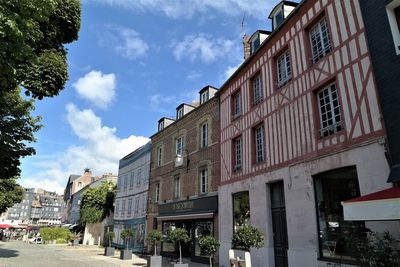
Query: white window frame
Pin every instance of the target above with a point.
(394, 24)
(179, 146)
(157, 193)
(138, 177)
(204, 135)
(132, 179)
(123, 207)
(144, 204)
(160, 125)
(257, 86)
(237, 143)
(329, 111)
(129, 206)
(204, 97)
(259, 134)
(237, 105)
(320, 40)
(284, 68)
(204, 181)
(159, 156)
(179, 113)
(125, 185)
(137, 199)
(177, 186)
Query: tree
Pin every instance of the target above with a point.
(97, 203)
(208, 246)
(110, 235)
(126, 234)
(154, 237)
(247, 237)
(32, 58)
(11, 193)
(179, 235)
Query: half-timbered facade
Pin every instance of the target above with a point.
(301, 131)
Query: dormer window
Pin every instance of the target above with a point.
(278, 18)
(179, 113)
(161, 125)
(280, 12)
(204, 97)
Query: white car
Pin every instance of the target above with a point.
(36, 240)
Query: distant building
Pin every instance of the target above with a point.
(38, 207)
(131, 199)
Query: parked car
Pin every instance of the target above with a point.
(36, 240)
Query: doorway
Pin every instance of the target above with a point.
(279, 227)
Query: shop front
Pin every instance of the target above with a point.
(198, 216)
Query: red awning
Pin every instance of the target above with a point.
(5, 226)
(377, 206)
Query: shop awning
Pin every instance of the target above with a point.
(378, 206)
(186, 217)
(394, 175)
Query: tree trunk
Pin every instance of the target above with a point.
(155, 249)
(210, 261)
(180, 253)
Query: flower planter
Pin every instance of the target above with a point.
(109, 251)
(239, 258)
(126, 254)
(181, 265)
(155, 261)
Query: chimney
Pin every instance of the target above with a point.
(246, 47)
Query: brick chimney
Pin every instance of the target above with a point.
(246, 47)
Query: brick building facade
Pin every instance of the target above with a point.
(184, 174)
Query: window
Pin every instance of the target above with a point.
(284, 70)
(331, 188)
(320, 42)
(237, 149)
(159, 156)
(278, 19)
(241, 209)
(204, 135)
(144, 203)
(139, 177)
(146, 175)
(157, 193)
(129, 206)
(79, 184)
(161, 125)
(177, 187)
(259, 137)
(329, 109)
(393, 12)
(237, 105)
(257, 89)
(125, 181)
(179, 113)
(123, 207)
(137, 205)
(179, 146)
(203, 181)
(204, 97)
(132, 180)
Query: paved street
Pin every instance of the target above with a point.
(19, 254)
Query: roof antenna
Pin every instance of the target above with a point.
(242, 24)
(245, 39)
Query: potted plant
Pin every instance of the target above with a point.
(154, 237)
(245, 238)
(126, 235)
(208, 246)
(179, 235)
(109, 251)
(74, 238)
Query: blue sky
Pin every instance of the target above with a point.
(135, 62)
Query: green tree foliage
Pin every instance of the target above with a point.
(54, 233)
(11, 193)
(179, 235)
(247, 237)
(97, 203)
(110, 235)
(126, 235)
(32, 57)
(208, 246)
(154, 237)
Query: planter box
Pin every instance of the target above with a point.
(239, 258)
(155, 261)
(126, 254)
(109, 251)
(181, 265)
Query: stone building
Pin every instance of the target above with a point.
(302, 131)
(184, 174)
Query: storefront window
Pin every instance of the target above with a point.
(201, 229)
(331, 189)
(167, 244)
(241, 209)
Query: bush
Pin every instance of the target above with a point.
(208, 246)
(126, 234)
(247, 237)
(110, 235)
(54, 233)
(61, 241)
(154, 237)
(179, 235)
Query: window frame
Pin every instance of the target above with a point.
(157, 193)
(179, 113)
(283, 79)
(204, 97)
(204, 135)
(257, 92)
(129, 206)
(204, 184)
(237, 154)
(236, 104)
(180, 148)
(161, 125)
(335, 126)
(159, 156)
(177, 187)
(259, 148)
(393, 13)
(326, 46)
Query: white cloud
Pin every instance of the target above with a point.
(97, 87)
(124, 41)
(187, 9)
(230, 70)
(100, 151)
(194, 75)
(203, 47)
